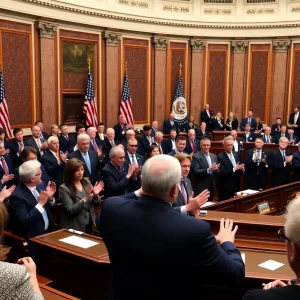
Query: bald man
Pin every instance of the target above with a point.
(109, 142)
(170, 124)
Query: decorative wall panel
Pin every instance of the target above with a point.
(296, 80)
(17, 76)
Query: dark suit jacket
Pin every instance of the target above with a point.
(153, 131)
(167, 145)
(284, 293)
(45, 135)
(10, 166)
(229, 180)
(234, 124)
(189, 149)
(274, 129)
(67, 145)
(291, 121)
(144, 144)
(180, 200)
(203, 180)
(98, 143)
(116, 184)
(278, 136)
(119, 132)
(55, 171)
(106, 146)
(31, 143)
(26, 219)
(167, 126)
(96, 165)
(189, 126)
(296, 165)
(147, 245)
(216, 126)
(271, 138)
(140, 158)
(173, 152)
(244, 122)
(13, 147)
(251, 137)
(256, 172)
(280, 173)
(205, 118)
(200, 135)
(295, 139)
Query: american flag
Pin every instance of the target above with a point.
(126, 103)
(4, 115)
(89, 106)
(179, 105)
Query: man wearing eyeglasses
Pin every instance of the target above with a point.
(131, 155)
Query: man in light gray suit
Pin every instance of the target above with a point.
(185, 203)
(205, 167)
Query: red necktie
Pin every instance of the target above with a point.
(4, 166)
(193, 146)
(67, 138)
(95, 145)
(183, 192)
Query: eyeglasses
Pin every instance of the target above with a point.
(38, 174)
(282, 235)
(133, 146)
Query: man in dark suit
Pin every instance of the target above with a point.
(120, 128)
(267, 137)
(205, 167)
(66, 141)
(170, 144)
(294, 121)
(149, 241)
(108, 143)
(293, 138)
(192, 145)
(170, 124)
(95, 144)
(100, 131)
(179, 146)
(206, 117)
(30, 203)
(92, 161)
(249, 120)
(230, 170)
(15, 146)
(256, 166)
(154, 128)
(119, 178)
(131, 155)
(43, 135)
(202, 132)
(249, 136)
(36, 141)
(281, 162)
(145, 140)
(276, 127)
(54, 162)
(185, 203)
(280, 134)
(158, 141)
(237, 144)
(6, 167)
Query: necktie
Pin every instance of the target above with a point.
(283, 155)
(21, 146)
(295, 118)
(232, 160)
(4, 166)
(249, 121)
(87, 161)
(57, 157)
(282, 135)
(133, 160)
(183, 192)
(67, 138)
(44, 214)
(258, 155)
(120, 171)
(268, 140)
(38, 141)
(41, 136)
(149, 139)
(208, 159)
(95, 145)
(193, 146)
(112, 143)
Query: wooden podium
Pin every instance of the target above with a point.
(83, 273)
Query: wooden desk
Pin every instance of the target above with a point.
(277, 197)
(255, 227)
(80, 272)
(53, 294)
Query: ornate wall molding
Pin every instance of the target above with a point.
(197, 45)
(133, 3)
(281, 45)
(260, 11)
(160, 43)
(111, 38)
(46, 30)
(177, 9)
(217, 11)
(239, 46)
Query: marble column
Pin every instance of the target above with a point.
(160, 77)
(48, 84)
(197, 77)
(279, 79)
(238, 78)
(112, 79)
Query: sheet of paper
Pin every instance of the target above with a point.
(271, 265)
(78, 241)
(207, 204)
(248, 192)
(243, 257)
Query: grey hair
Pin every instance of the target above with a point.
(283, 138)
(160, 173)
(82, 136)
(51, 139)
(227, 138)
(28, 170)
(114, 151)
(90, 129)
(292, 224)
(157, 133)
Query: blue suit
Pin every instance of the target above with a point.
(149, 242)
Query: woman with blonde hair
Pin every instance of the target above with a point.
(17, 281)
(218, 122)
(232, 122)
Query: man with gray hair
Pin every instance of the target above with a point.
(118, 176)
(148, 241)
(30, 203)
(91, 159)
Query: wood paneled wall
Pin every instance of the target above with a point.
(261, 78)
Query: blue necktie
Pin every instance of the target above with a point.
(44, 214)
(87, 161)
(232, 160)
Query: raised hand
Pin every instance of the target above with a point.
(5, 193)
(6, 178)
(98, 187)
(43, 198)
(51, 189)
(226, 234)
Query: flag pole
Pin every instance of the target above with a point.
(126, 66)
(180, 70)
(89, 64)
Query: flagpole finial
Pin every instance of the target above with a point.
(126, 67)
(180, 70)
(89, 64)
